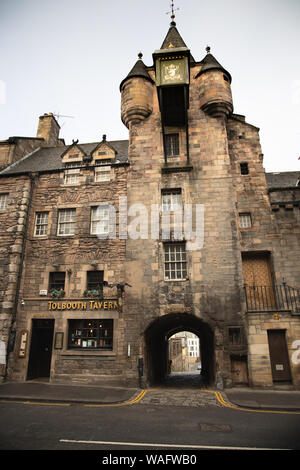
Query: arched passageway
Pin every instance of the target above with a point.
(156, 341)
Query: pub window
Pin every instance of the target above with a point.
(57, 281)
(172, 144)
(41, 224)
(91, 334)
(245, 220)
(100, 220)
(94, 282)
(3, 201)
(66, 222)
(171, 199)
(175, 261)
(102, 174)
(244, 168)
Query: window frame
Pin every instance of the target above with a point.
(244, 168)
(180, 261)
(172, 204)
(61, 223)
(71, 173)
(99, 220)
(3, 201)
(172, 144)
(80, 331)
(104, 171)
(41, 224)
(243, 218)
(57, 284)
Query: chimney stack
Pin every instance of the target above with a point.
(48, 129)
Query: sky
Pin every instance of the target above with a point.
(69, 57)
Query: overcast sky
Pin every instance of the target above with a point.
(69, 57)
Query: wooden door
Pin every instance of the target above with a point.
(279, 356)
(258, 280)
(40, 349)
(239, 372)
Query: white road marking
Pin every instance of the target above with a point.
(170, 446)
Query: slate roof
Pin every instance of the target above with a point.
(210, 63)
(138, 70)
(284, 179)
(49, 158)
(175, 39)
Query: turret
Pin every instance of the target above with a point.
(136, 94)
(214, 87)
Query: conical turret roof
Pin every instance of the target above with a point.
(138, 70)
(210, 63)
(174, 40)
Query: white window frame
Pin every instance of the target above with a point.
(66, 222)
(171, 200)
(3, 201)
(71, 176)
(245, 220)
(175, 263)
(102, 174)
(41, 224)
(100, 220)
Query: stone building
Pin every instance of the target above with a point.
(100, 264)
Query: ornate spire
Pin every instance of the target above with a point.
(172, 14)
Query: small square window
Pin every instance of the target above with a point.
(235, 335)
(245, 220)
(244, 168)
(41, 224)
(3, 202)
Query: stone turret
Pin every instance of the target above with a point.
(214, 87)
(136, 94)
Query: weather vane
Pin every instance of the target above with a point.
(172, 12)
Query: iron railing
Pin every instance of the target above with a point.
(270, 298)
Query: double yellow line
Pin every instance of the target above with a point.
(125, 403)
(222, 401)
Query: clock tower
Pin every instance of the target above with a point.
(172, 77)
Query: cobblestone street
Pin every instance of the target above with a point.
(180, 389)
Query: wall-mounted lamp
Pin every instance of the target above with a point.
(94, 264)
(55, 265)
(69, 271)
(22, 302)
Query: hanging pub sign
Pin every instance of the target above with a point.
(86, 305)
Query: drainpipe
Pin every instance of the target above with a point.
(16, 265)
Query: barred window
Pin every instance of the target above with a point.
(66, 222)
(171, 199)
(245, 220)
(172, 144)
(175, 261)
(100, 220)
(41, 224)
(3, 202)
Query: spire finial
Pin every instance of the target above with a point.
(140, 55)
(207, 49)
(172, 14)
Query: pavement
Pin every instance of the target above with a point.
(243, 397)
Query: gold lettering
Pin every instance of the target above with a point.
(69, 305)
(115, 304)
(110, 305)
(63, 306)
(100, 304)
(105, 305)
(50, 305)
(74, 305)
(92, 304)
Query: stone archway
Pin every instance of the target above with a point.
(156, 342)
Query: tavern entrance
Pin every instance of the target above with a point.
(157, 357)
(40, 349)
